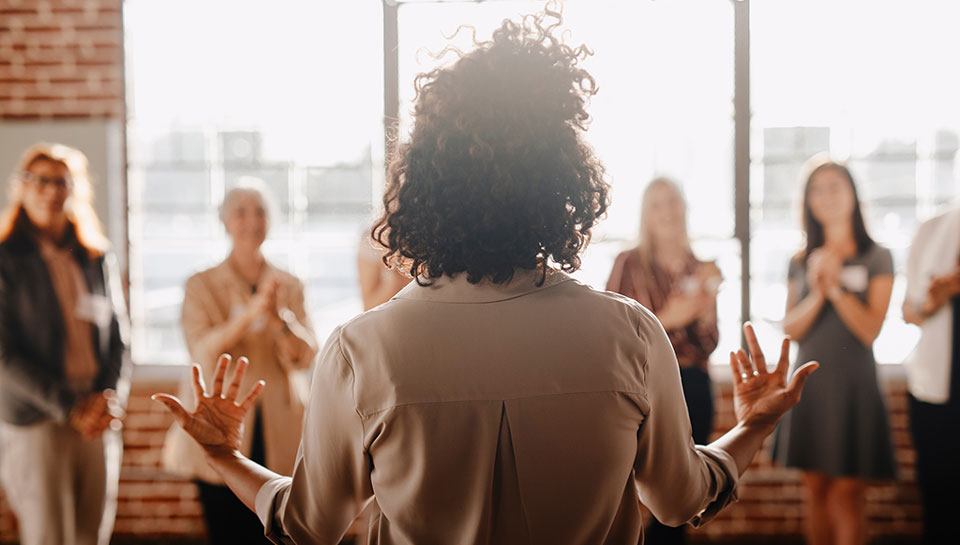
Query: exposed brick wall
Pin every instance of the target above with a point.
(61, 59)
(156, 505)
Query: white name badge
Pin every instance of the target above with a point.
(854, 278)
(95, 309)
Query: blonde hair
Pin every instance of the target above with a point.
(646, 234)
(79, 204)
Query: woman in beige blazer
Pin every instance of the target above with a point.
(245, 306)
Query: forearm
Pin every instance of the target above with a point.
(912, 314)
(860, 319)
(742, 443)
(243, 476)
(799, 319)
(219, 339)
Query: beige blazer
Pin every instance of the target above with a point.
(509, 414)
(210, 299)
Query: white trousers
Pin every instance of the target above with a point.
(62, 487)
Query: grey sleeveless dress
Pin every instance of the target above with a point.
(840, 426)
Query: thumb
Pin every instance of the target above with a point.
(800, 378)
(173, 405)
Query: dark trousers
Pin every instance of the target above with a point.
(228, 520)
(699, 396)
(936, 438)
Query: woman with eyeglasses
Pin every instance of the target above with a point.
(838, 291)
(63, 354)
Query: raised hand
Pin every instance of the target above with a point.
(761, 397)
(217, 422)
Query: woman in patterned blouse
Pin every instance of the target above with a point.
(663, 275)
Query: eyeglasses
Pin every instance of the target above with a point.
(43, 182)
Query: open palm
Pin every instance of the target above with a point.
(761, 397)
(217, 422)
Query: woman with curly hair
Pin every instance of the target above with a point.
(495, 399)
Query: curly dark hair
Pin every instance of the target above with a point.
(496, 175)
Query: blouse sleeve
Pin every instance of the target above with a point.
(198, 324)
(678, 481)
(880, 262)
(331, 479)
(618, 281)
(299, 308)
(615, 282)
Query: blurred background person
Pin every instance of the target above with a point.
(246, 307)
(933, 370)
(838, 294)
(377, 282)
(664, 275)
(63, 354)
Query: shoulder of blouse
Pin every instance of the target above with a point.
(285, 277)
(631, 258)
(205, 280)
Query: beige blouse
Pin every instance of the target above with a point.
(211, 297)
(497, 414)
(80, 365)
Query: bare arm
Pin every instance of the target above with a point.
(801, 314)
(864, 320)
(378, 284)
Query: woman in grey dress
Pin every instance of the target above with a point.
(839, 290)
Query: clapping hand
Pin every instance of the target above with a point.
(217, 422)
(823, 271)
(761, 397)
(94, 414)
(942, 289)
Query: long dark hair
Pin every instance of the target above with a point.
(814, 229)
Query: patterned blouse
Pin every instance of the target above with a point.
(650, 285)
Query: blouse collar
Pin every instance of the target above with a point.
(456, 289)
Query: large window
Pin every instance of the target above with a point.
(222, 89)
(886, 102)
(664, 107)
(292, 94)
